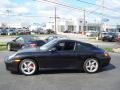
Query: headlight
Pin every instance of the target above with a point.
(106, 54)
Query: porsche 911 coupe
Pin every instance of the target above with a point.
(58, 54)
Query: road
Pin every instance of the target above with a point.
(107, 79)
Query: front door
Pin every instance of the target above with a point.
(64, 56)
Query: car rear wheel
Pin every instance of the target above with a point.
(28, 67)
(91, 65)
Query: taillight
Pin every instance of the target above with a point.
(33, 45)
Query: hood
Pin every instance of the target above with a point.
(37, 49)
(24, 52)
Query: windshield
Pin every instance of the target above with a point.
(31, 38)
(48, 45)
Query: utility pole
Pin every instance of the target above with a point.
(102, 13)
(8, 11)
(55, 22)
(84, 21)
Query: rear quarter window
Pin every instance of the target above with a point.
(84, 47)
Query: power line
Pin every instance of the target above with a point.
(22, 15)
(64, 5)
(96, 5)
(60, 4)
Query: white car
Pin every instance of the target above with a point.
(91, 33)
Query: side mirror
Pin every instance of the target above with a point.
(52, 50)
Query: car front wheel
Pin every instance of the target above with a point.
(91, 65)
(28, 67)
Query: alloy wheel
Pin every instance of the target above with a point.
(28, 67)
(91, 65)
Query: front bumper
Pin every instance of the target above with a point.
(11, 65)
(104, 61)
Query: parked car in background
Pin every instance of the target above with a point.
(58, 54)
(118, 37)
(67, 31)
(108, 36)
(0, 31)
(40, 31)
(52, 37)
(50, 31)
(3, 32)
(91, 33)
(11, 32)
(23, 32)
(24, 41)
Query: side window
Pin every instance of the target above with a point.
(20, 40)
(83, 47)
(65, 46)
(80, 47)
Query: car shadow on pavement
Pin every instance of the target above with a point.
(57, 72)
(108, 68)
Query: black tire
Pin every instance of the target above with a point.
(98, 66)
(103, 39)
(28, 60)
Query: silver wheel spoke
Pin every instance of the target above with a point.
(24, 69)
(30, 63)
(29, 70)
(92, 65)
(25, 64)
(28, 67)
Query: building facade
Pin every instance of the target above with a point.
(76, 25)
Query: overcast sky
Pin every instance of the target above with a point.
(21, 10)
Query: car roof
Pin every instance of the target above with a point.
(58, 36)
(66, 39)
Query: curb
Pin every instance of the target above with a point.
(116, 50)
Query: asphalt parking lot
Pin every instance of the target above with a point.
(107, 79)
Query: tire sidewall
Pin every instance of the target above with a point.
(28, 60)
(84, 65)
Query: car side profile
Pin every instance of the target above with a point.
(58, 54)
(24, 41)
(109, 36)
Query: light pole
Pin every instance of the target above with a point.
(84, 21)
(55, 22)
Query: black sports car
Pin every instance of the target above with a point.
(58, 54)
(24, 42)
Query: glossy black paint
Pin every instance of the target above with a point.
(54, 59)
(25, 42)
